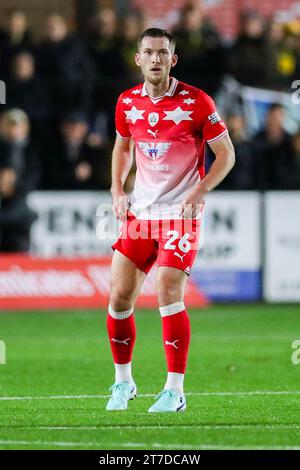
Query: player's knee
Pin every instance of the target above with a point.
(168, 292)
(121, 299)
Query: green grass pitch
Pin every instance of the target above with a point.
(243, 391)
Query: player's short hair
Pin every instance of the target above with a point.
(157, 33)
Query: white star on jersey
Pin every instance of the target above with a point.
(189, 101)
(127, 100)
(183, 92)
(177, 115)
(134, 114)
(136, 92)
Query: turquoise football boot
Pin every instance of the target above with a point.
(168, 401)
(122, 392)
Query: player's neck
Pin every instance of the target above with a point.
(157, 90)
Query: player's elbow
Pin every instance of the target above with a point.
(231, 158)
(224, 153)
(226, 158)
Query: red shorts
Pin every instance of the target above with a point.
(173, 243)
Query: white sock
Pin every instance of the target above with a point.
(123, 373)
(175, 382)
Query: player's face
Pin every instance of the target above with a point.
(156, 58)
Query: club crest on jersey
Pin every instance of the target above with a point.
(214, 118)
(153, 119)
(154, 150)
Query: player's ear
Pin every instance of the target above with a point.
(137, 59)
(174, 60)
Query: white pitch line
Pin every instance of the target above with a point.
(156, 445)
(220, 447)
(56, 397)
(65, 444)
(148, 395)
(157, 427)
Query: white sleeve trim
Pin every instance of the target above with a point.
(124, 138)
(218, 137)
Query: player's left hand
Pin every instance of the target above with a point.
(193, 203)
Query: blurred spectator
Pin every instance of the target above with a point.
(242, 176)
(251, 58)
(105, 47)
(12, 40)
(273, 151)
(201, 54)
(19, 173)
(131, 27)
(292, 176)
(65, 66)
(78, 160)
(289, 169)
(26, 90)
(104, 42)
(295, 31)
(284, 55)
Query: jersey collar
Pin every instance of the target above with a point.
(169, 92)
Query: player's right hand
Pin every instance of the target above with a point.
(119, 204)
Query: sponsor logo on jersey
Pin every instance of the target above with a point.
(154, 150)
(214, 118)
(157, 167)
(153, 119)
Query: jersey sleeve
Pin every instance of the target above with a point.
(122, 127)
(214, 127)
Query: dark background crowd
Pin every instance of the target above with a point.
(57, 126)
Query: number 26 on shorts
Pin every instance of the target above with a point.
(183, 244)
